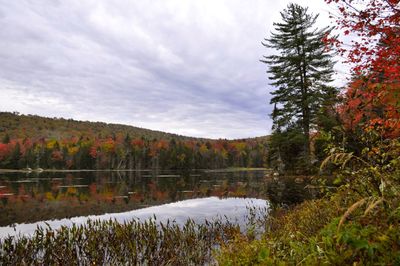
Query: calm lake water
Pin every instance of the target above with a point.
(28, 198)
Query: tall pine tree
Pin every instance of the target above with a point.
(300, 71)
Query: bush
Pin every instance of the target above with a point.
(357, 225)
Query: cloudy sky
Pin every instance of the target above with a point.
(186, 66)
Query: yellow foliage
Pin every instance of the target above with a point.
(73, 150)
(50, 144)
(71, 190)
(49, 196)
(240, 146)
(108, 146)
(203, 149)
(182, 157)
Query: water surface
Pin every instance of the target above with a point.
(32, 197)
(234, 210)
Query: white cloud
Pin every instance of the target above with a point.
(188, 67)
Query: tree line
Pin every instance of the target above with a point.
(123, 152)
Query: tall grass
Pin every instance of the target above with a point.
(130, 243)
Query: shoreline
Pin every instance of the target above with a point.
(239, 169)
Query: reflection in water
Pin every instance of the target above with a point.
(34, 197)
(199, 210)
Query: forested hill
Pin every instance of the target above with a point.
(32, 126)
(28, 141)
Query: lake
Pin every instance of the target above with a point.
(32, 197)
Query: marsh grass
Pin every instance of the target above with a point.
(133, 242)
(112, 243)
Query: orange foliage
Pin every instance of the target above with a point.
(162, 144)
(372, 106)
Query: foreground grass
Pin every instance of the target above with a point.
(111, 243)
(317, 232)
(357, 225)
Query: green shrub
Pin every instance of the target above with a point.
(357, 225)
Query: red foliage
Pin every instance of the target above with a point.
(27, 143)
(4, 151)
(57, 156)
(375, 24)
(219, 145)
(93, 151)
(93, 189)
(372, 100)
(372, 106)
(137, 143)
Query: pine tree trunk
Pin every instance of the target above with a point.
(306, 109)
(306, 129)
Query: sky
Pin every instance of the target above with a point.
(182, 66)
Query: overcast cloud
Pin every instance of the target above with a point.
(187, 67)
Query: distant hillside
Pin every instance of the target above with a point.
(30, 141)
(33, 126)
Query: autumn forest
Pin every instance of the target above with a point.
(37, 142)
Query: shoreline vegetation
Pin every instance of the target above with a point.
(230, 169)
(134, 241)
(113, 243)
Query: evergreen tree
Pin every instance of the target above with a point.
(300, 71)
(6, 139)
(15, 157)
